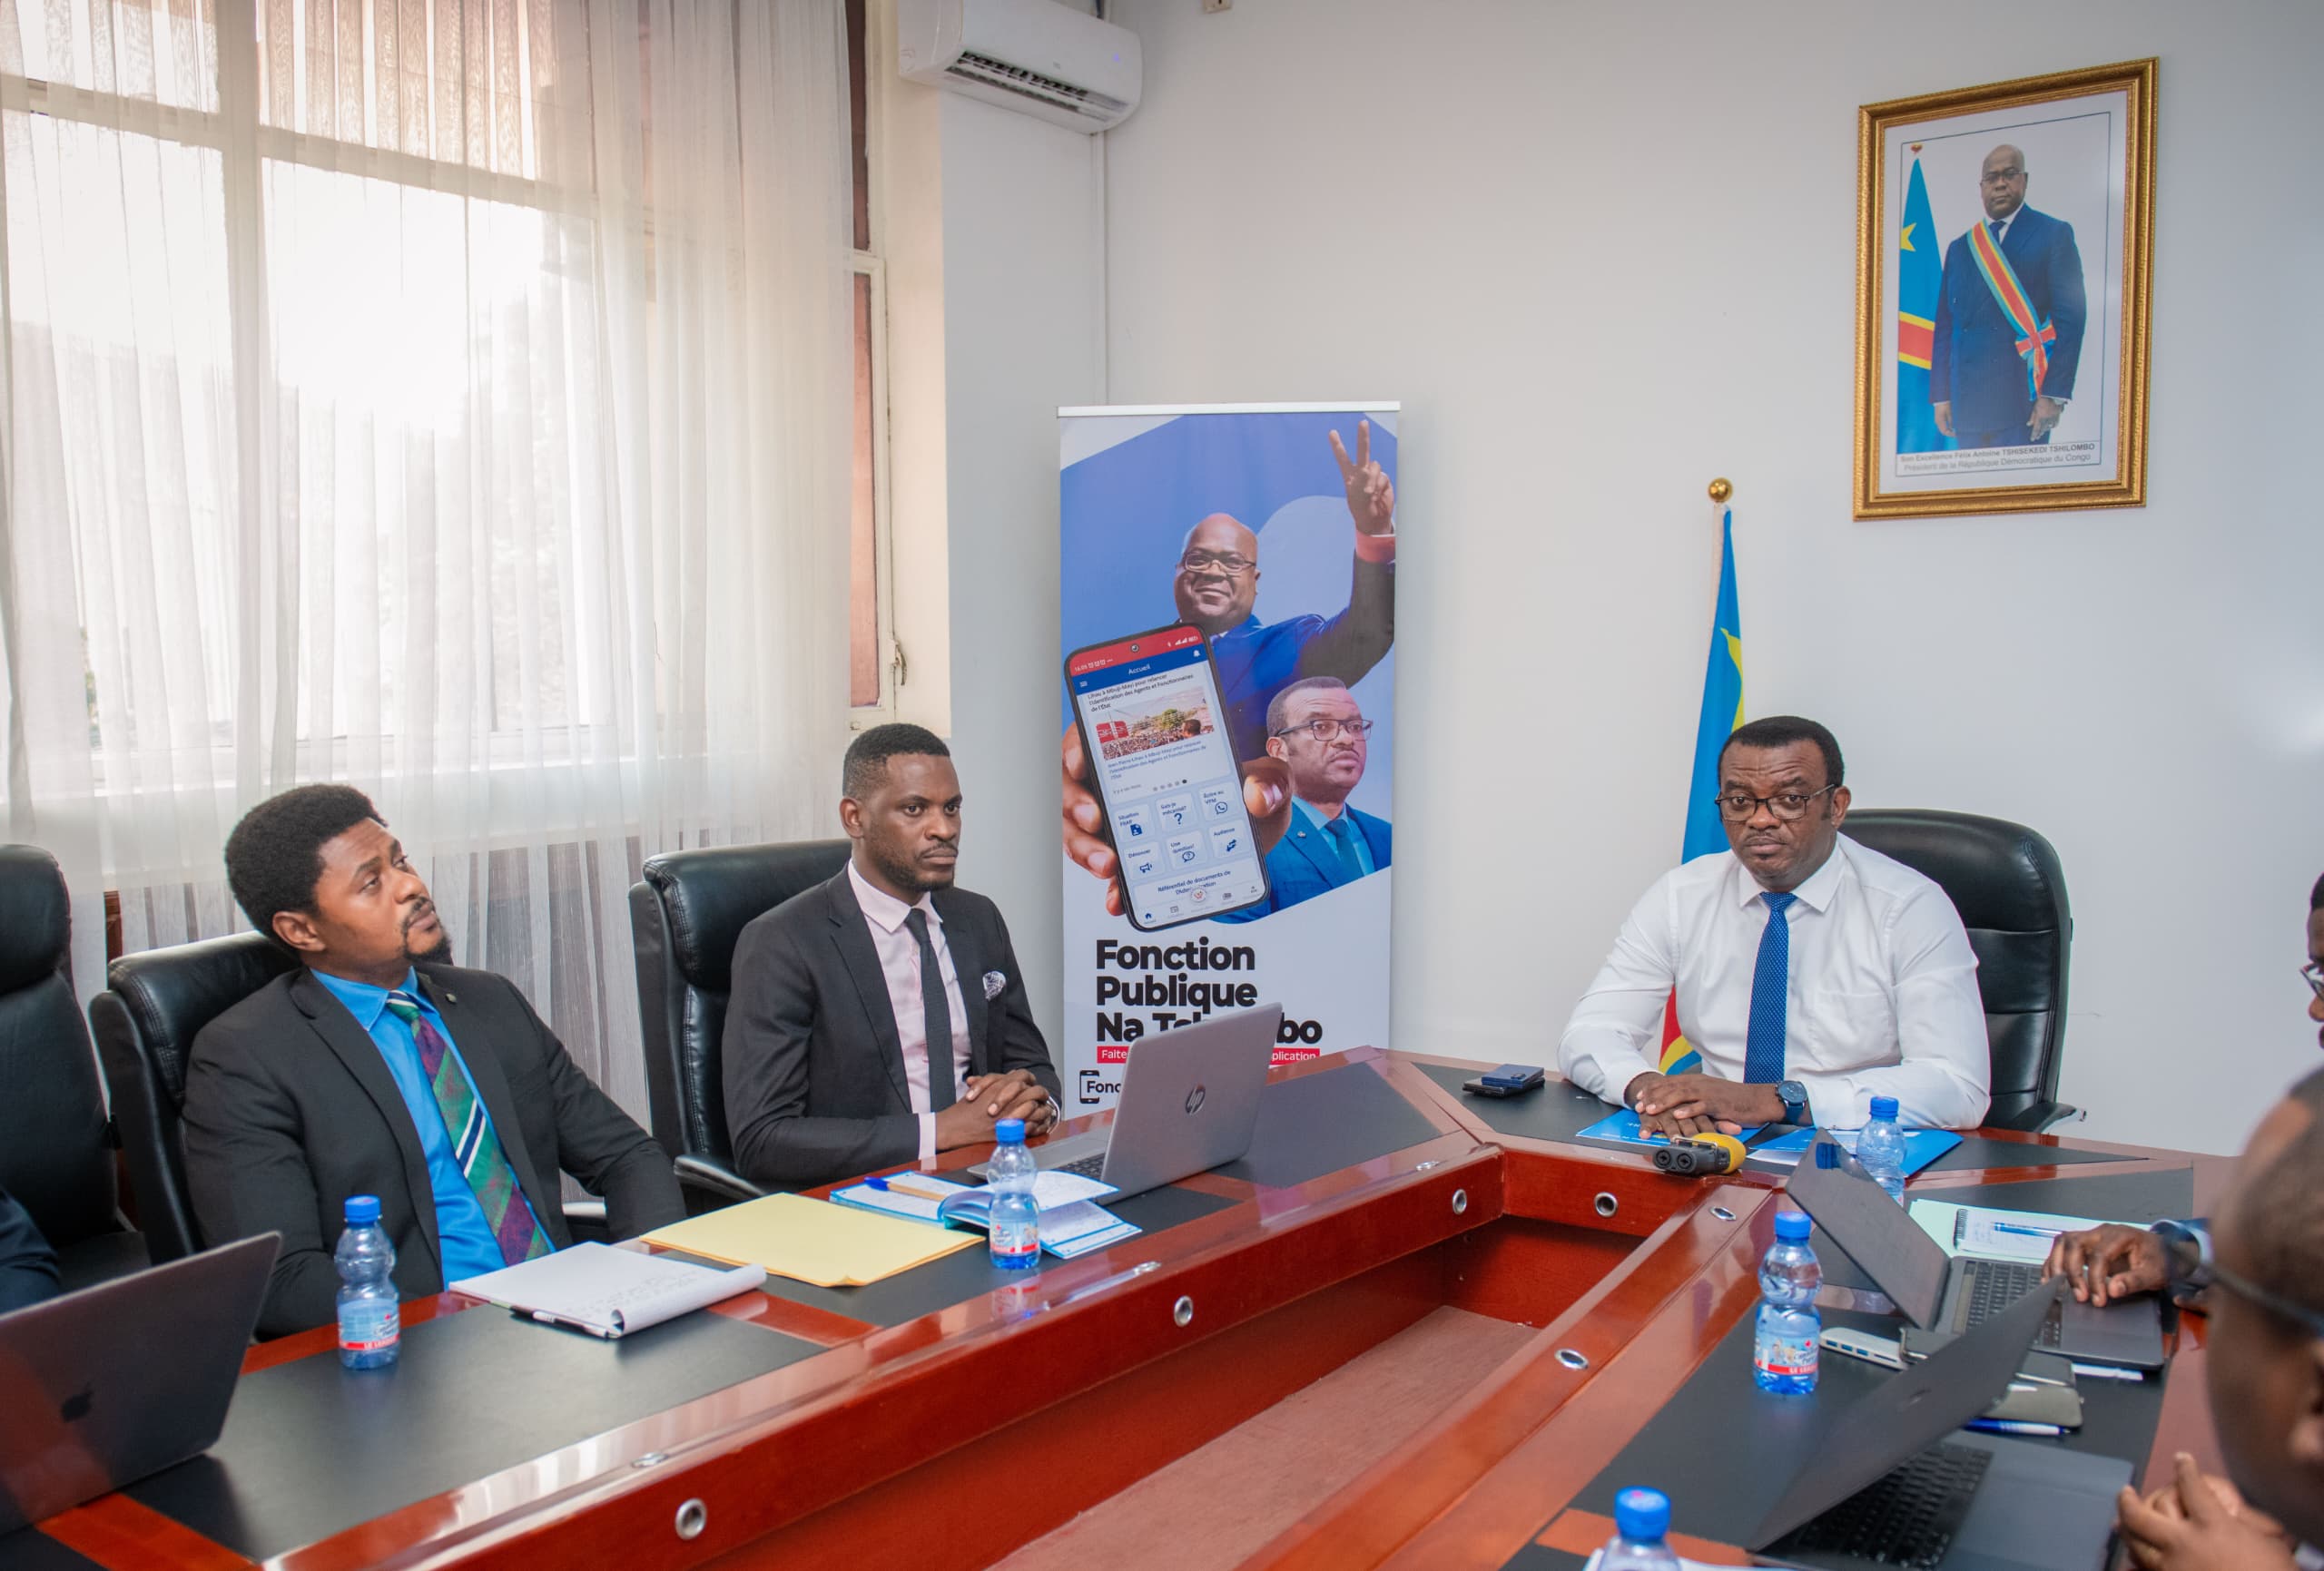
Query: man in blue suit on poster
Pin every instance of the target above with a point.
(1215, 588)
(1319, 730)
(2009, 319)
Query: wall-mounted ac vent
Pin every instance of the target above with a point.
(1035, 56)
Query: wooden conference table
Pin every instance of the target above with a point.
(1412, 1329)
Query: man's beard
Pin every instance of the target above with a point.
(439, 950)
(915, 876)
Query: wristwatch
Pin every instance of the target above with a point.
(1795, 1101)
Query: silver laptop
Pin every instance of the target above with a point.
(1948, 1295)
(1189, 1101)
(1896, 1483)
(102, 1387)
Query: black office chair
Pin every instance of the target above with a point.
(145, 1023)
(55, 1152)
(2006, 882)
(686, 917)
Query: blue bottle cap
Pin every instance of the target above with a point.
(1884, 1107)
(1793, 1226)
(362, 1210)
(1009, 1132)
(1642, 1513)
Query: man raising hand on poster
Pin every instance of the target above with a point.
(1215, 587)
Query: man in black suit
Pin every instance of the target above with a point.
(839, 991)
(27, 1265)
(378, 1068)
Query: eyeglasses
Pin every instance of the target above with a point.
(1329, 729)
(2243, 1286)
(1736, 807)
(1227, 562)
(2313, 974)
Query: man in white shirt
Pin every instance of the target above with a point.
(838, 992)
(1813, 973)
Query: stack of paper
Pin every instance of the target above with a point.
(1070, 1223)
(607, 1292)
(2023, 1235)
(810, 1240)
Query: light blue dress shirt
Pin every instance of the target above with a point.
(469, 1248)
(1321, 826)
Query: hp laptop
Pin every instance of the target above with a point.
(101, 1387)
(1946, 1295)
(1960, 1501)
(1190, 1100)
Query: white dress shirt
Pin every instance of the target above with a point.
(899, 954)
(1882, 998)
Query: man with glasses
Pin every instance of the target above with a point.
(2115, 1262)
(2265, 1361)
(1319, 730)
(1215, 587)
(1812, 973)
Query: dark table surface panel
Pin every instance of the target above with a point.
(1318, 1123)
(30, 1549)
(1976, 1150)
(311, 1450)
(969, 1273)
(2153, 1195)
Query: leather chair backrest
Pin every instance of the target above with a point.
(2007, 884)
(53, 1154)
(146, 1022)
(686, 917)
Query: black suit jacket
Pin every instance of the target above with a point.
(290, 1109)
(814, 1070)
(27, 1265)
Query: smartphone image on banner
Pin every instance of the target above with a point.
(1150, 718)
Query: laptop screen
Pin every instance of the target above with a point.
(1905, 1262)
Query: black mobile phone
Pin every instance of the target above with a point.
(1509, 1080)
(1151, 717)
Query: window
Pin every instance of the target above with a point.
(875, 662)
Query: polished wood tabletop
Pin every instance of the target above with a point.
(881, 1444)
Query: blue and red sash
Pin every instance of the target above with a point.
(2034, 333)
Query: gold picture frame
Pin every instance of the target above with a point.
(2056, 299)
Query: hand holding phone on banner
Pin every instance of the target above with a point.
(1267, 798)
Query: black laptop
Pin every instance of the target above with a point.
(1948, 1295)
(1896, 1483)
(102, 1387)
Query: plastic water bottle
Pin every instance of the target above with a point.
(1641, 1519)
(1015, 1233)
(1880, 1149)
(1783, 1354)
(370, 1325)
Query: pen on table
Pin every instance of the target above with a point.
(2021, 1231)
(2012, 1427)
(2109, 1372)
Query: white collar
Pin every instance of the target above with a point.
(886, 911)
(1815, 891)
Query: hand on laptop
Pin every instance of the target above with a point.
(2201, 1523)
(2109, 1262)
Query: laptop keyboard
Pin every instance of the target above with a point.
(1088, 1167)
(1992, 1286)
(1907, 1518)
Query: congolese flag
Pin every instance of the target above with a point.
(1722, 712)
(1920, 275)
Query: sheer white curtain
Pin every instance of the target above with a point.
(448, 396)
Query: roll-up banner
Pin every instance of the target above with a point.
(1227, 664)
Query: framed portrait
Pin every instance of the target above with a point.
(2003, 243)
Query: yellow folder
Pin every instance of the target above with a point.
(811, 1241)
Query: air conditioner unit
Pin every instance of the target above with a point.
(1035, 56)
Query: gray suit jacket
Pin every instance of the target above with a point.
(290, 1109)
(814, 1068)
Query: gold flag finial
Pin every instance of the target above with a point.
(1721, 489)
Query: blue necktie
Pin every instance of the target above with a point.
(1997, 226)
(1341, 834)
(1763, 1047)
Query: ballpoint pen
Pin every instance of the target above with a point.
(2014, 1427)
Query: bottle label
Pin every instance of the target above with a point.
(1786, 1356)
(369, 1328)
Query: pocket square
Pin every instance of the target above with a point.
(994, 982)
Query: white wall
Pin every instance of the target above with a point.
(1604, 253)
(1022, 274)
